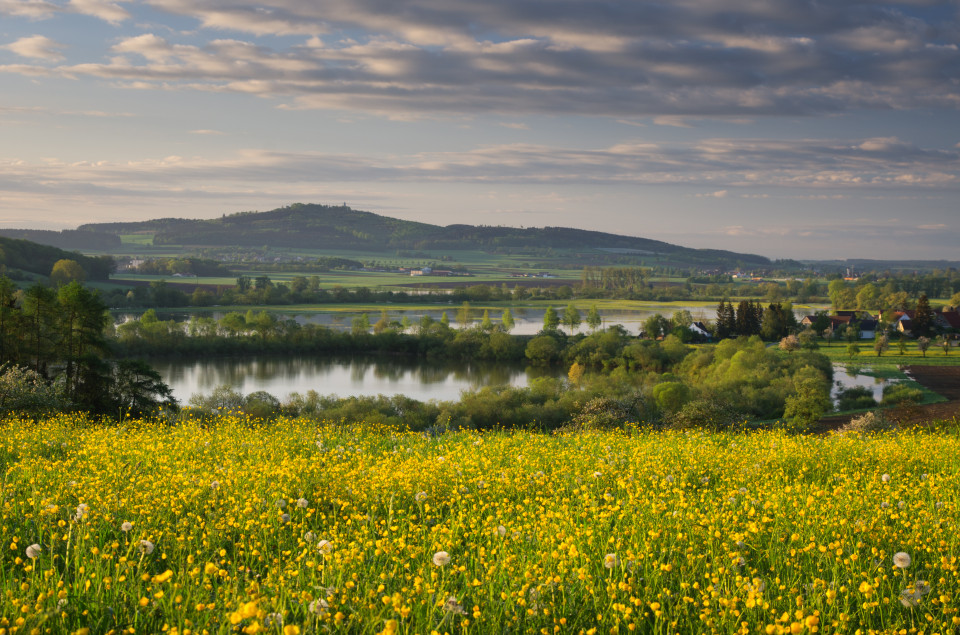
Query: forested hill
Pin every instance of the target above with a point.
(329, 227)
(35, 258)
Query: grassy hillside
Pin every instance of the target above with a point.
(327, 227)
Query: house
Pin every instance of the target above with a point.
(700, 330)
(947, 320)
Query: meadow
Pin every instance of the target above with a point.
(300, 527)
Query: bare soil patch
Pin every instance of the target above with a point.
(943, 380)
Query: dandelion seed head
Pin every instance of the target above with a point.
(441, 558)
(33, 551)
(901, 559)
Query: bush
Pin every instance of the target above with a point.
(25, 392)
(896, 394)
(868, 422)
(711, 414)
(856, 398)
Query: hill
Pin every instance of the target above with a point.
(36, 258)
(340, 227)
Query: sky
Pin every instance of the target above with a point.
(787, 128)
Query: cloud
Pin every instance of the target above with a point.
(207, 132)
(740, 168)
(628, 60)
(33, 9)
(106, 11)
(37, 47)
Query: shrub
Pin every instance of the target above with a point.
(868, 422)
(856, 398)
(26, 392)
(896, 394)
(711, 414)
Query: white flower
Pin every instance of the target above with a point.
(453, 606)
(909, 599)
(302, 503)
(325, 547)
(126, 526)
(33, 551)
(885, 478)
(901, 559)
(441, 558)
(146, 547)
(273, 618)
(319, 607)
(610, 560)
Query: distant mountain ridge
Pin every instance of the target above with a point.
(340, 227)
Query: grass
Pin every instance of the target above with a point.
(234, 526)
(837, 352)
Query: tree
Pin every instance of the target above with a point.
(550, 319)
(463, 315)
(853, 349)
(808, 340)
(722, 329)
(923, 317)
(881, 344)
(360, 325)
(506, 320)
(383, 323)
(542, 350)
(575, 374)
(867, 297)
(945, 344)
(425, 323)
(681, 319)
(82, 318)
(810, 402)
(955, 301)
(139, 389)
(656, 326)
(243, 284)
(821, 322)
(571, 318)
(594, 321)
(923, 343)
(65, 271)
(841, 295)
(486, 323)
(790, 344)
(445, 319)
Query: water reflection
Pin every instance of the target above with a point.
(281, 376)
(853, 376)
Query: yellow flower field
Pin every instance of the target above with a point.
(303, 528)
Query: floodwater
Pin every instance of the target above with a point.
(281, 376)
